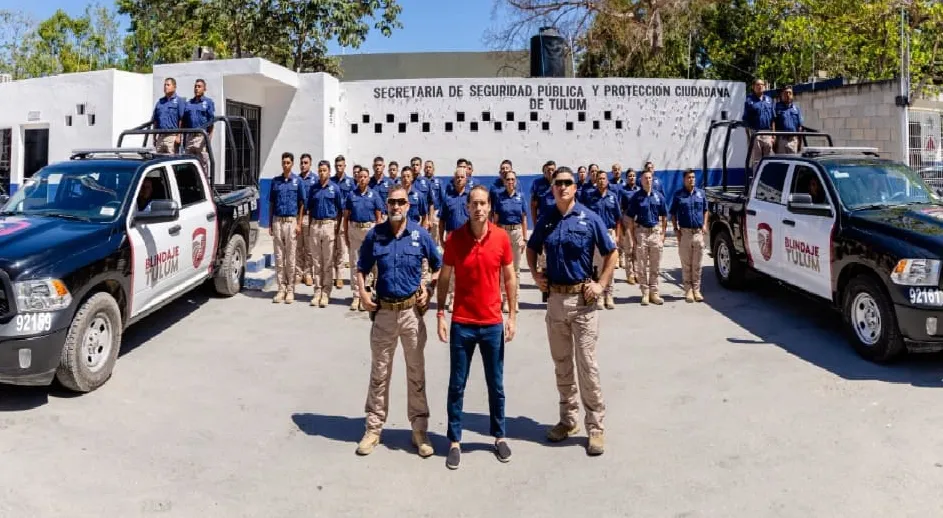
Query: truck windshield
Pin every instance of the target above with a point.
(86, 193)
(869, 184)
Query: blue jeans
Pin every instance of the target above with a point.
(462, 347)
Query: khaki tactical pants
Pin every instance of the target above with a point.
(691, 249)
(321, 243)
(303, 259)
(598, 261)
(410, 329)
(630, 261)
(340, 254)
(573, 330)
(357, 235)
(762, 146)
(517, 251)
(165, 144)
(285, 237)
(648, 251)
(196, 145)
(787, 145)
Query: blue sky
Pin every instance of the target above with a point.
(428, 25)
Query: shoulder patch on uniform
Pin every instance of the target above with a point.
(415, 235)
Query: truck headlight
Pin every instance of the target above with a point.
(41, 295)
(917, 272)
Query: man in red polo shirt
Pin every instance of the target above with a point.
(479, 252)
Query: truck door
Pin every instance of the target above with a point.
(808, 235)
(198, 222)
(156, 246)
(765, 209)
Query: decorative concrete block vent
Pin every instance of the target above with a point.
(482, 122)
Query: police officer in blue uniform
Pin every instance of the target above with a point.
(498, 184)
(454, 213)
(325, 209)
(346, 184)
(510, 213)
(424, 188)
(759, 114)
(689, 218)
(605, 203)
(362, 212)
(583, 182)
(287, 197)
(788, 118)
(379, 182)
(648, 213)
(418, 206)
(569, 234)
(435, 199)
(199, 112)
(397, 248)
(168, 115)
(629, 260)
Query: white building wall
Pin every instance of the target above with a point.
(132, 102)
(530, 121)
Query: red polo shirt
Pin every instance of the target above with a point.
(477, 270)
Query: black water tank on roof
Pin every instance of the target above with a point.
(547, 54)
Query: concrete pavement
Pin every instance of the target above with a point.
(750, 404)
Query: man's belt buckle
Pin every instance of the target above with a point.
(320, 221)
(510, 227)
(365, 224)
(400, 305)
(567, 289)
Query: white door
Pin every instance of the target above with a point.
(199, 224)
(764, 218)
(157, 246)
(808, 237)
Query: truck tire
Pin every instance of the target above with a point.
(870, 321)
(232, 272)
(728, 268)
(92, 344)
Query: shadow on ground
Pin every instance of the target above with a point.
(808, 328)
(18, 399)
(351, 429)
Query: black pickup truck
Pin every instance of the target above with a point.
(91, 245)
(841, 224)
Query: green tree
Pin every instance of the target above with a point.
(63, 44)
(17, 37)
(170, 32)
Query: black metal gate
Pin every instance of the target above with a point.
(239, 159)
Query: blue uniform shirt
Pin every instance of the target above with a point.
(625, 197)
(398, 259)
(645, 209)
(363, 205)
(606, 206)
(168, 112)
(435, 191)
(509, 208)
(538, 192)
(324, 202)
(199, 113)
(689, 208)
(454, 210)
(425, 188)
(286, 194)
(417, 204)
(758, 112)
(346, 185)
(570, 242)
(382, 188)
(788, 117)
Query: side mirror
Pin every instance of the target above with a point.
(159, 211)
(801, 203)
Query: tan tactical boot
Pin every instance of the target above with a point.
(338, 283)
(633, 279)
(610, 302)
(560, 432)
(297, 279)
(599, 302)
(279, 297)
(315, 298)
(596, 444)
(698, 297)
(422, 444)
(289, 297)
(354, 304)
(688, 295)
(360, 306)
(645, 299)
(655, 299)
(308, 279)
(325, 300)
(368, 443)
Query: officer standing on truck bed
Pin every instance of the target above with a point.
(397, 248)
(689, 219)
(568, 234)
(759, 115)
(199, 112)
(788, 118)
(286, 207)
(648, 213)
(168, 115)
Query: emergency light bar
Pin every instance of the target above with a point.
(812, 151)
(144, 153)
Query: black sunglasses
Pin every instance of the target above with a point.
(397, 202)
(562, 183)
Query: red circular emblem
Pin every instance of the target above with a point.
(764, 235)
(199, 246)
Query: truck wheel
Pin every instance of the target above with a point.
(233, 270)
(870, 321)
(91, 345)
(727, 267)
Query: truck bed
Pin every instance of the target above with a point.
(732, 194)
